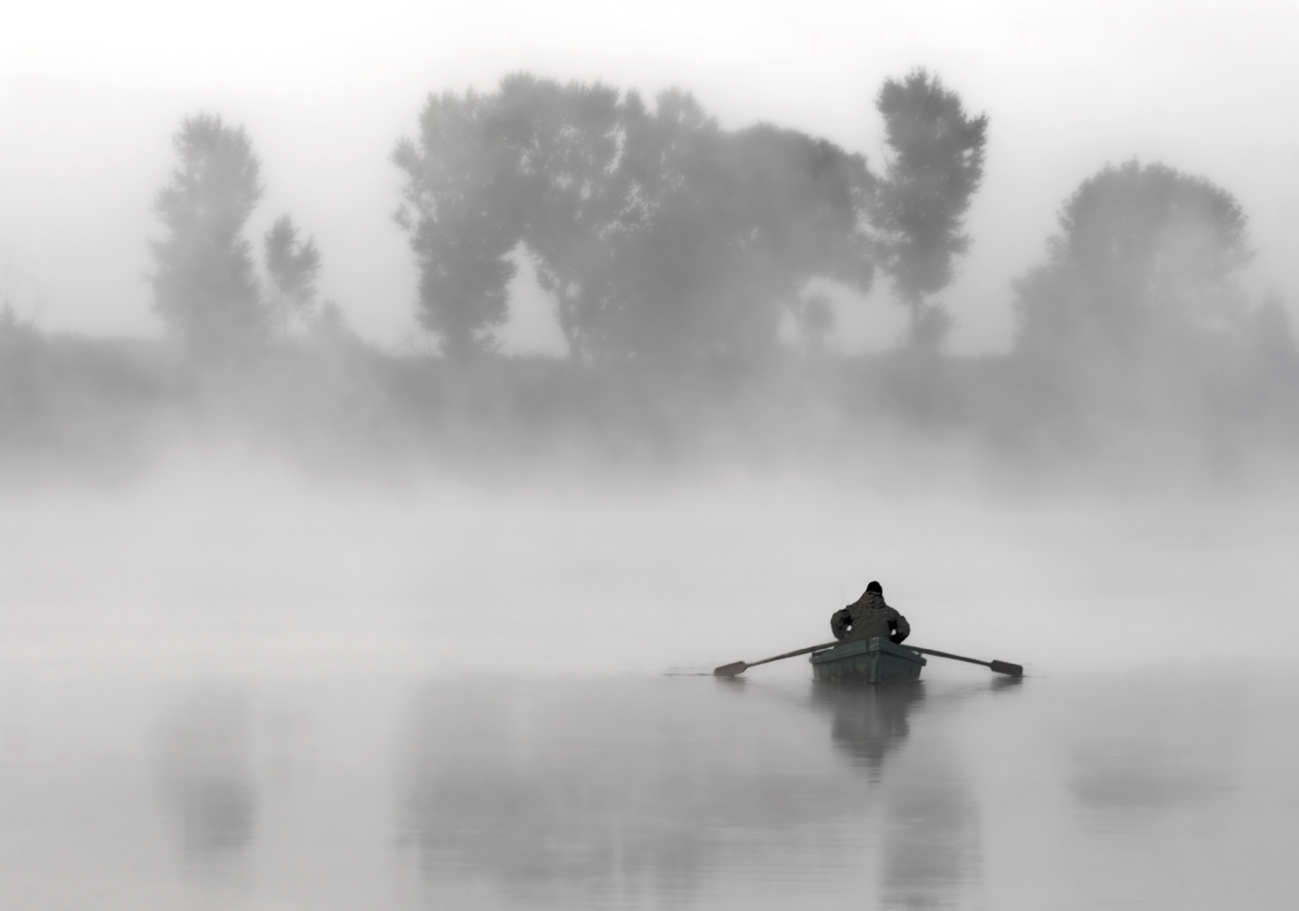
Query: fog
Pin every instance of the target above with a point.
(402, 415)
(257, 570)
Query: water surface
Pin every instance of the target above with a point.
(257, 691)
(1156, 790)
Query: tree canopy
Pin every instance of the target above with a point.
(461, 206)
(936, 165)
(1146, 255)
(205, 288)
(659, 235)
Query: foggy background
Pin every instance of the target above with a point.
(337, 568)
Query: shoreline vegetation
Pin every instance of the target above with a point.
(109, 410)
(686, 266)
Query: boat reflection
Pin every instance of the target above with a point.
(927, 815)
(868, 722)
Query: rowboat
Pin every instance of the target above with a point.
(868, 661)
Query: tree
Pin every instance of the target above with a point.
(1146, 257)
(672, 251)
(204, 285)
(660, 236)
(801, 206)
(293, 267)
(462, 206)
(571, 139)
(935, 169)
(728, 229)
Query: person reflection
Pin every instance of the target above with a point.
(926, 814)
(932, 852)
(868, 722)
(205, 776)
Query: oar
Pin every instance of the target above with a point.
(739, 667)
(1001, 667)
(736, 668)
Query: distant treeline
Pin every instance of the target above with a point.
(673, 251)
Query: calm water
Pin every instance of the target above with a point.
(1155, 790)
(258, 692)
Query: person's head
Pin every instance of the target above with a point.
(876, 588)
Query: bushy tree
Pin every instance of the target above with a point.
(294, 267)
(204, 285)
(674, 249)
(660, 236)
(802, 205)
(936, 165)
(734, 226)
(576, 196)
(462, 205)
(1146, 257)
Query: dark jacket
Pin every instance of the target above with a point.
(867, 617)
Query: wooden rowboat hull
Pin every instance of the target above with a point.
(867, 661)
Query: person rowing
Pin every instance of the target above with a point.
(869, 617)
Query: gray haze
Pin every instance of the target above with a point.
(344, 618)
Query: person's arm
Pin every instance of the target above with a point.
(899, 628)
(840, 621)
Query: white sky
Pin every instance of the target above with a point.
(90, 94)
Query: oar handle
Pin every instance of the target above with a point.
(797, 651)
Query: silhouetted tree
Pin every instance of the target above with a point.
(204, 285)
(571, 195)
(294, 267)
(802, 204)
(935, 169)
(660, 236)
(728, 229)
(1146, 256)
(674, 251)
(462, 204)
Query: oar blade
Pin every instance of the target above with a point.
(1005, 667)
(730, 670)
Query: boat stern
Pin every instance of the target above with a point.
(868, 660)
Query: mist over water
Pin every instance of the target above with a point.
(289, 643)
(233, 682)
(248, 566)
(354, 558)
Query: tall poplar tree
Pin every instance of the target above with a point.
(205, 288)
(936, 166)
